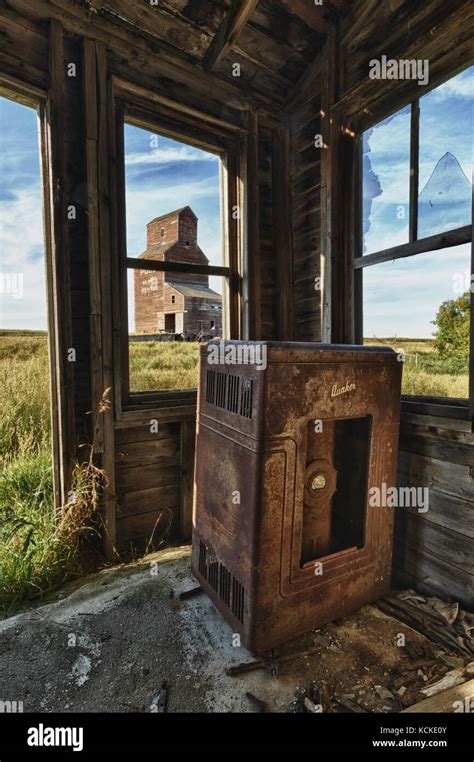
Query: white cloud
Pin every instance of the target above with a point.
(402, 297)
(21, 233)
(169, 154)
(461, 86)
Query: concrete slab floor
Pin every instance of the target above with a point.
(108, 644)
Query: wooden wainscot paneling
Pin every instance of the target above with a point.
(148, 484)
(433, 547)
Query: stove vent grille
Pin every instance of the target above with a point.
(229, 590)
(229, 392)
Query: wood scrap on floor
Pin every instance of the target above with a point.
(459, 698)
(449, 680)
(360, 663)
(190, 593)
(260, 706)
(349, 705)
(445, 624)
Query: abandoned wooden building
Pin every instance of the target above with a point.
(177, 303)
(286, 94)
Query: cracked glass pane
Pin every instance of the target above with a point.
(386, 182)
(446, 122)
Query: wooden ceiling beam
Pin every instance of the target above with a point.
(316, 17)
(228, 32)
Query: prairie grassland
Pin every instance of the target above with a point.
(163, 365)
(38, 548)
(425, 372)
(172, 365)
(27, 520)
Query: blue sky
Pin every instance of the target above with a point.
(21, 222)
(400, 298)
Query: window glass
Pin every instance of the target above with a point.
(445, 156)
(173, 199)
(386, 182)
(420, 304)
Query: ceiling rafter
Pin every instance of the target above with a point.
(319, 18)
(228, 32)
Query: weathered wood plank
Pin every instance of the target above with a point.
(135, 53)
(439, 542)
(443, 37)
(283, 230)
(141, 433)
(436, 422)
(151, 526)
(317, 17)
(228, 32)
(455, 447)
(188, 438)
(441, 476)
(143, 453)
(148, 500)
(414, 567)
(456, 699)
(252, 271)
(448, 511)
(138, 478)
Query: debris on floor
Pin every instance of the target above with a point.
(444, 623)
(145, 650)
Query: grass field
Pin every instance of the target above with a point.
(27, 521)
(33, 556)
(425, 373)
(171, 365)
(163, 365)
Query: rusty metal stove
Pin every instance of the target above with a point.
(285, 538)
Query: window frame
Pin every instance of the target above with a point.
(447, 407)
(157, 114)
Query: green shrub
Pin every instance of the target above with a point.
(452, 323)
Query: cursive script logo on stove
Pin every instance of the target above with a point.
(337, 390)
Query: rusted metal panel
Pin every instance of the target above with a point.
(284, 538)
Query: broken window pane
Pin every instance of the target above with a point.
(445, 168)
(386, 182)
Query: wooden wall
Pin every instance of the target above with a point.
(148, 484)
(433, 550)
(305, 167)
(268, 306)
